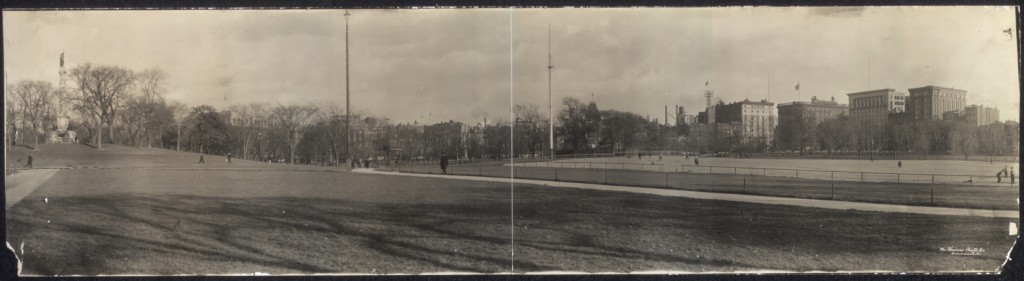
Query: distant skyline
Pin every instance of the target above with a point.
(433, 65)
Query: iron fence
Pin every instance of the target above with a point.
(914, 189)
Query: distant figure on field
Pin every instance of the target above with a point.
(229, 157)
(659, 157)
(899, 164)
(444, 164)
(999, 177)
(639, 155)
(1013, 177)
(29, 164)
(687, 157)
(201, 160)
(696, 161)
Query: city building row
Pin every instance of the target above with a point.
(755, 121)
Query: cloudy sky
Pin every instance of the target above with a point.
(433, 65)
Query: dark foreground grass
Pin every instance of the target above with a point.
(163, 222)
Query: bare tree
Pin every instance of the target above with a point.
(12, 121)
(532, 126)
(35, 98)
(181, 113)
(102, 91)
(252, 119)
(292, 119)
(150, 101)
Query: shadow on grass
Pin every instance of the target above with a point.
(276, 235)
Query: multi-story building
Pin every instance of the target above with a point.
(980, 115)
(683, 118)
(873, 107)
(815, 111)
(756, 121)
(799, 118)
(930, 102)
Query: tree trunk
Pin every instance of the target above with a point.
(99, 135)
(35, 138)
(245, 148)
(177, 141)
(110, 126)
(292, 154)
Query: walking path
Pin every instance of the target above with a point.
(22, 183)
(814, 203)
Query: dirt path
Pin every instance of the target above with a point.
(814, 203)
(24, 182)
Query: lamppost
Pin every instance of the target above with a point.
(348, 103)
(551, 123)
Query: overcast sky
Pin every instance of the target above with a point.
(435, 65)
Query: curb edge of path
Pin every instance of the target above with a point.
(757, 199)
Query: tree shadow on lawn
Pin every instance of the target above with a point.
(274, 234)
(631, 227)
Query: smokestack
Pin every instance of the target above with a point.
(666, 115)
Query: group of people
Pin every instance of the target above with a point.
(1003, 173)
(203, 161)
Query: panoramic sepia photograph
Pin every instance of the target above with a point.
(511, 140)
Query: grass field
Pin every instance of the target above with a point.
(942, 195)
(913, 171)
(151, 221)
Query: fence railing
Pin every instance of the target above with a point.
(834, 175)
(884, 156)
(833, 185)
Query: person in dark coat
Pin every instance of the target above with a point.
(696, 161)
(1013, 177)
(899, 164)
(201, 160)
(444, 164)
(29, 164)
(229, 157)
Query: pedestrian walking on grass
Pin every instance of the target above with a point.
(444, 164)
(639, 155)
(696, 161)
(659, 156)
(229, 157)
(29, 164)
(899, 164)
(1013, 177)
(201, 160)
(999, 177)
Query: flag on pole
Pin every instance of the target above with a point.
(797, 86)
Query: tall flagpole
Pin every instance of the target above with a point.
(348, 103)
(551, 120)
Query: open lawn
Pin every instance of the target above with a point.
(921, 194)
(913, 171)
(173, 221)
